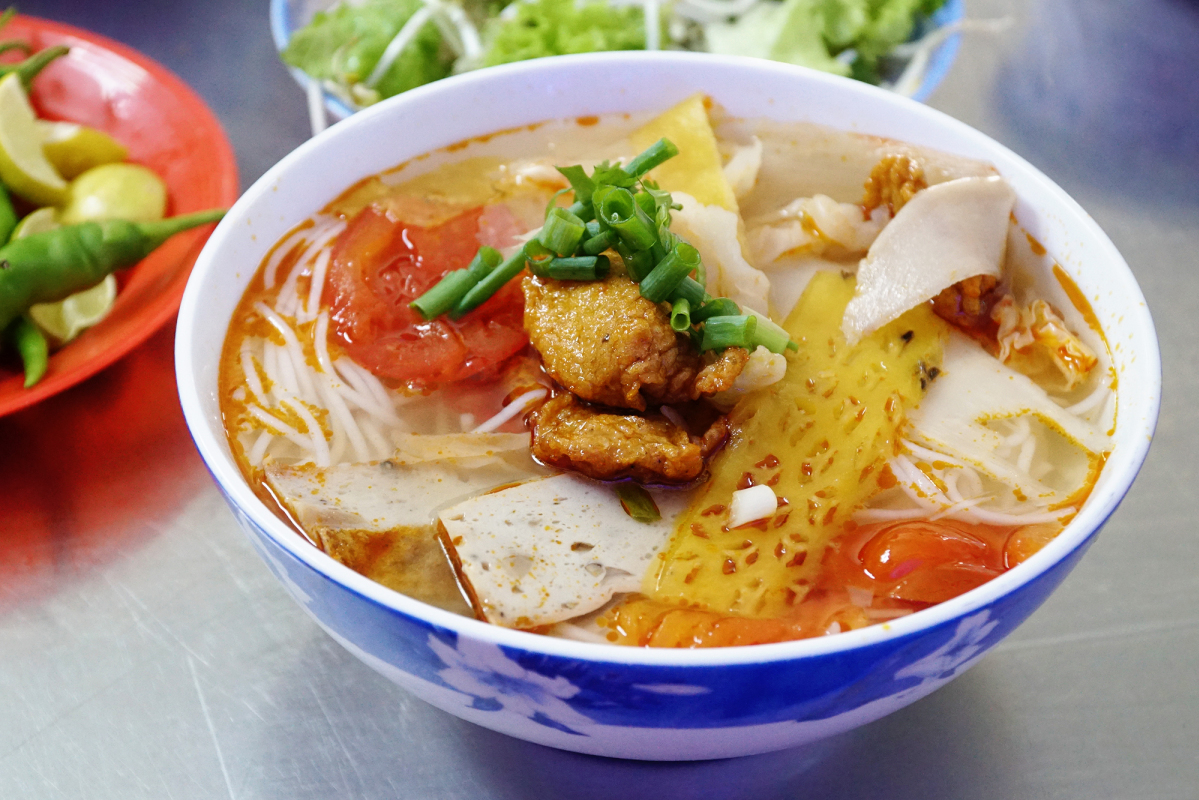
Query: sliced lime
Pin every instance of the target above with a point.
(23, 166)
(39, 221)
(66, 319)
(74, 149)
(115, 191)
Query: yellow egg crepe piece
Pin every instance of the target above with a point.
(697, 169)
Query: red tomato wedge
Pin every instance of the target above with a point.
(379, 266)
(922, 561)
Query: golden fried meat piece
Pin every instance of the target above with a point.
(607, 344)
(572, 435)
(893, 182)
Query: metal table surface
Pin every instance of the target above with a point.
(146, 652)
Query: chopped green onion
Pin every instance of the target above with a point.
(722, 332)
(669, 273)
(599, 243)
(594, 228)
(646, 201)
(616, 208)
(553, 203)
(494, 281)
(680, 315)
(579, 182)
(638, 264)
(772, 337)
(658, 152)
(689, 290)
(487, 259)
(562, 232)
(637, 503)
(720, 307)
(583, 211)
(577, 268)
(442, 297)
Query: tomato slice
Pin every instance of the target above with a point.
(931, 561)
(379, 266)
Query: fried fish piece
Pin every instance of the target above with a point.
(569, 434)
(607, 344)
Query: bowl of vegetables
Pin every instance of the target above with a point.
(677, 669)
(354, 54)
(104, 157)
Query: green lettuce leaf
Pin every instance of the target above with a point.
(559, 27)
(344, 44)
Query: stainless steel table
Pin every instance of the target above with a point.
(146, 652)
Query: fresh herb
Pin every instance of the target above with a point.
(638, 503)
(616, 208)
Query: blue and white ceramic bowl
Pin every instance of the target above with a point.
(627, 702)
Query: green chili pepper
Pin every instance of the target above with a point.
(51, 266)
(8, 217)
(31, 344)
(30, 67)
(15, 44)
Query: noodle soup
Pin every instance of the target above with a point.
(884, 394)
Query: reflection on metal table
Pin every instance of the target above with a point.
(145, 651)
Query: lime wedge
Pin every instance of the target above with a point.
(115, 191)
(39, 221)
(66, 319)
(74, 149)
(23, 165)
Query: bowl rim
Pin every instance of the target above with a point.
(1125, 462)
(223, 161)
(953, 12)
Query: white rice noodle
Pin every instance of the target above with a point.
(253, 380)
(383, 448)
(312, 305)
(270, 272)
(517, 406)
(272, 423)
(1092, 401)
(339, 415)
(258, 451)
(320, 447)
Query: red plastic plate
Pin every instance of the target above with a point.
(167, 127)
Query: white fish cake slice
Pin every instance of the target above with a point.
(553, 549)
(404, 491)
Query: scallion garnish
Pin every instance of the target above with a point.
(772, 336)
(680, 315)
(492, 282)
(562, 232)
(637, 503)
(722, 332)
(660, 151)
(575, 268)
(616, 209)
(599, 243)
(718, 307)
(667, 275)
(442, 297)
(454, 285)
(636, 264)
(690, 290)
